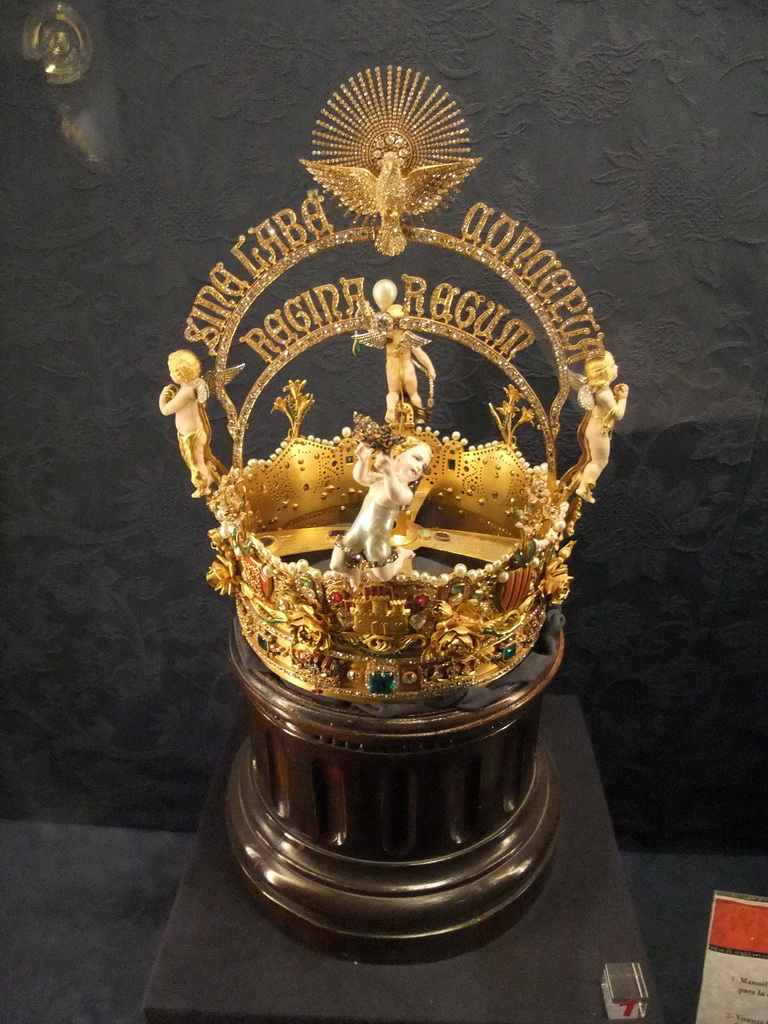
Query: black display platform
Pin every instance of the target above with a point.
(222, 962)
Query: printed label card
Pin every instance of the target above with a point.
(734, 986)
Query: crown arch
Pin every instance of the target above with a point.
(494, 240)
(434, 327)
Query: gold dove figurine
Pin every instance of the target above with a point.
(391, 147)
(391, 193)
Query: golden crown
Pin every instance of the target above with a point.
(388, 563)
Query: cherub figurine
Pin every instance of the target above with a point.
(187, 401)
(390, 467)
(402, 347)
(604, 406)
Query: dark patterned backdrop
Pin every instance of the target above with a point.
(632, 137)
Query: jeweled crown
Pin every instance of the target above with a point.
(387, 562)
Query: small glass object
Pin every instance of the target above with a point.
(58, 37)
(624, 991)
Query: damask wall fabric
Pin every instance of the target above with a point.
(631, 137)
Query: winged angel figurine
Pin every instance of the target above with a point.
(402, 347)
(390, 150)
(186, 399)
(603, 408)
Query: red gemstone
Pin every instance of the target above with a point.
(336, 596)
(316, 691)
(420, 600)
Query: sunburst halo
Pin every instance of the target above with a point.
(390, 110)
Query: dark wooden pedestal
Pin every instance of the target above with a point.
(222, 961)
(391, 839)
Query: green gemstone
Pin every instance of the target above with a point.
(262, 642)
(381, 683)
(509, 651)
(457, 588)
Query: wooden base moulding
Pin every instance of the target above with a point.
(391, 838)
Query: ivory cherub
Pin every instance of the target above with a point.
(186, 398)
(604, 406)
(401, 347)
(391, 478)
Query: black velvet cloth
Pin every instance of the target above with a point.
(82, 913)
(222, 962)
(84, 910)
(631, 137)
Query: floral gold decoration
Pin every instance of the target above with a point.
(222, 575)
(508, 417)
(308, 629)
(459, 633)
(320, 540)
(556, 583)
(295, 404)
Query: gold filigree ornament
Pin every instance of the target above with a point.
(390, 145)
(308, 629)
(224, 573)
(556, 584)
(460, 633)
(319, 541)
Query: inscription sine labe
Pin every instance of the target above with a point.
(260, 252)
(492, 238)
